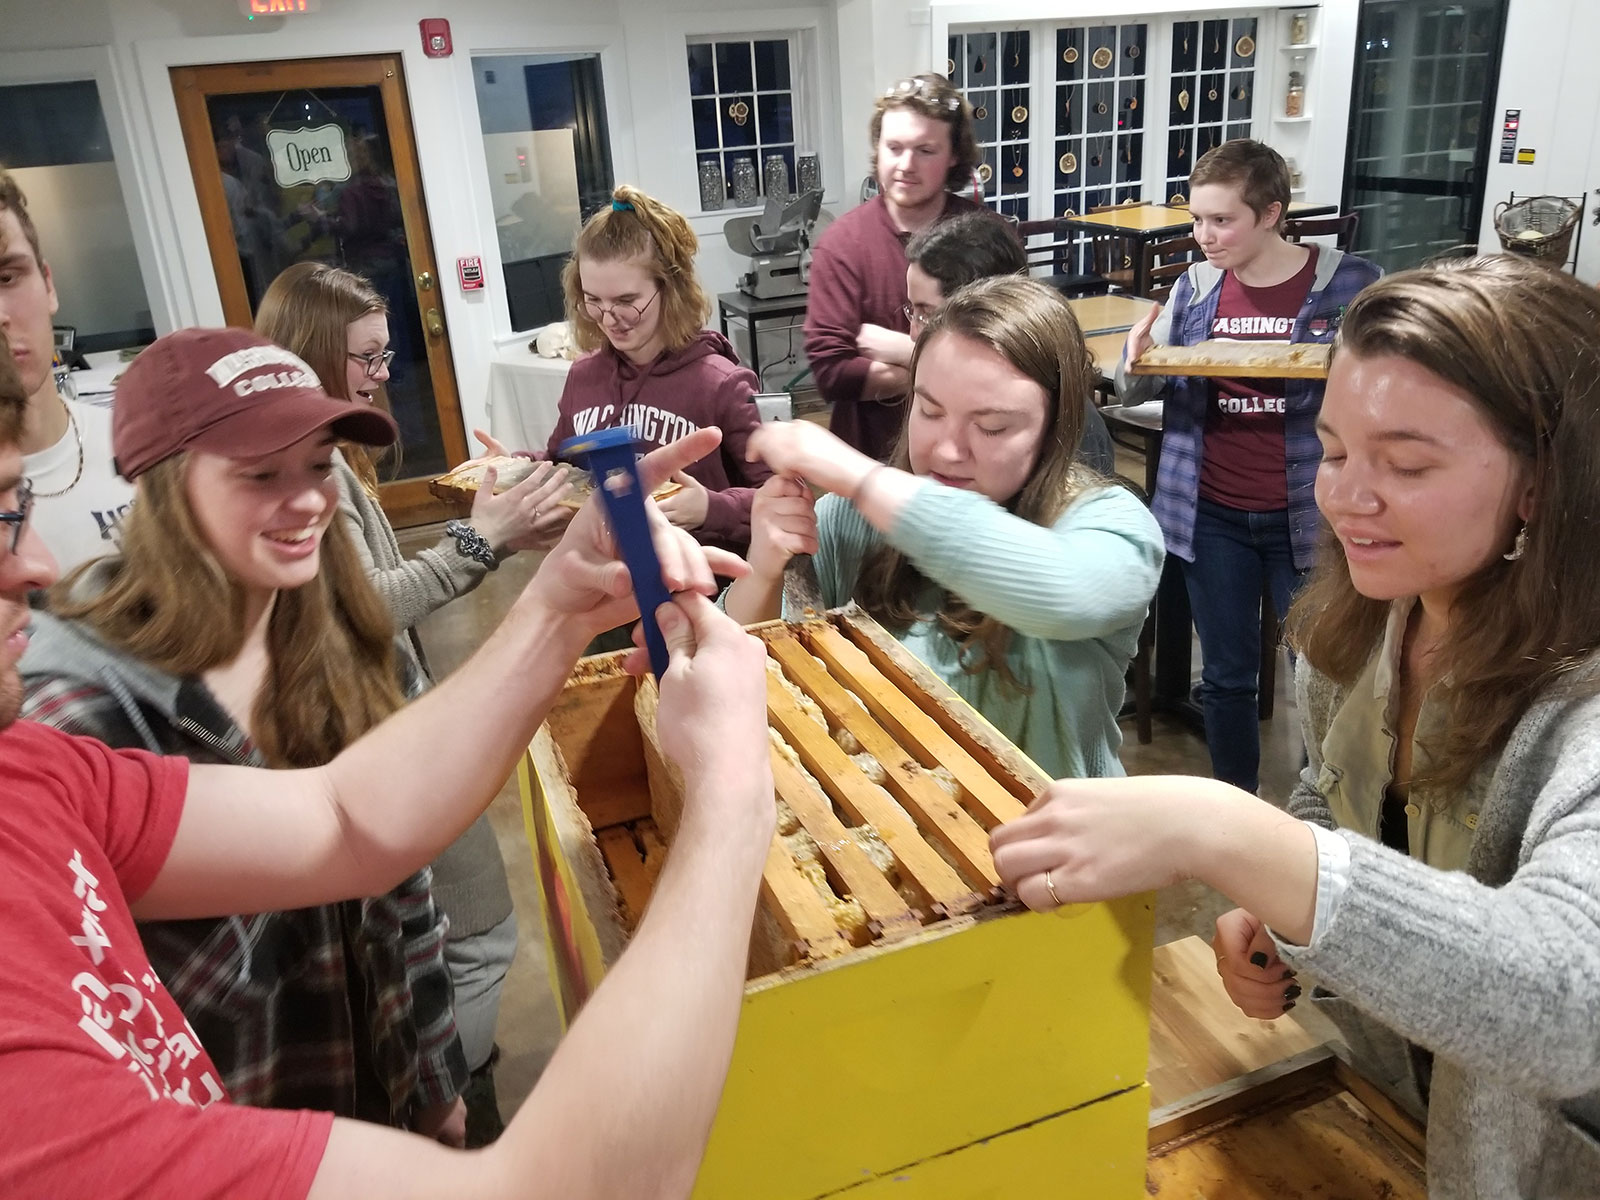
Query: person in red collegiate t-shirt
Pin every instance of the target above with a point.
(104, 1090)
(1239, 456)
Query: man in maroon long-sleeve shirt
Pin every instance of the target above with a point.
(923, 146)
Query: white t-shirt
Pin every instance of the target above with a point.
(81, 523)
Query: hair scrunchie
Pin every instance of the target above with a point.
(621, 206)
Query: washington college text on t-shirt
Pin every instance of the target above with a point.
(78, 520)
(1243, 463)
(104, 1090)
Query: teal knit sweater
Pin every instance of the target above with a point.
(1074, 595)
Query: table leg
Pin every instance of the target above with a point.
(722, 317)
(1141, 266)
(752, 326)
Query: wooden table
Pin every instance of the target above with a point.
(1261, 1110)
(1145, 223)
(1108, 314)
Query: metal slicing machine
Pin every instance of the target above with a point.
(778, 243)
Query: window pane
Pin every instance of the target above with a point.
(702, 76)
(777, 118)
(733, 68)
(705, 124)
(772, 66)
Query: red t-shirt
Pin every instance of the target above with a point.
(104, 1089)
(1242, 465)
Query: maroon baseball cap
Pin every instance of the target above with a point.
(227, 391)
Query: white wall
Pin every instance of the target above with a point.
(1551, 71)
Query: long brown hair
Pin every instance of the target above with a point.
(307, 310)
(1028, 324)
(1523, 342)
(331, 671)
(638, 226)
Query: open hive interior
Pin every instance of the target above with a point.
(886, 792)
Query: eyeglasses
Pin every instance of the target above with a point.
(917, 316)
(935, 93)
(623, 314)
(18, 518)
(374, 361)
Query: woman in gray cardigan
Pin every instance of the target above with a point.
(1435, 884)
(338, 323)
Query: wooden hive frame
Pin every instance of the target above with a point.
(848, 674)
(947, 1044)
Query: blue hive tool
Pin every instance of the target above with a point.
(608, 455)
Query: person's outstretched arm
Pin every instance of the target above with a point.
(625, 1106)
(253, 840)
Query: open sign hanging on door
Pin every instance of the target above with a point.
(308, 155)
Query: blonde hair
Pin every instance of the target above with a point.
(307, 310)
(1523, 342)
(1028, 324)
(331, 673)
(932, 96)
(640, 227)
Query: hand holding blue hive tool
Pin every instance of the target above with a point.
(609, 456)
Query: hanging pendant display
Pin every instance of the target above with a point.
(950, 68)
(739, 111)
(1183, 100)
(979, 65)
(1133, 103)
(1069, 55)
(1017, 170)
(1133, 51)
(1068, 213)
(1212, 93)
(985, 172)
(980, 113)
(1019, 114)
(1068, 163)
(1101, 58)
(1243, 93)
(1100, 105)
(1016, 162)
(1178, 200)
(1245, 46)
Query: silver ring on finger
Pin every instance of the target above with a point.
(1050, 886)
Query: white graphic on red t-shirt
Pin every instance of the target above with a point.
(123, 1019)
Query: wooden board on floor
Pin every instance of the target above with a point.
(1198, 1038)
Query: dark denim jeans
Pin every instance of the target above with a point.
(1234, 553)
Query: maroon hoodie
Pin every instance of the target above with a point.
(679, 392)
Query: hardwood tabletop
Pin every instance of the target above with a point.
(1108, 314)
(1152, 219)
(1106, 349)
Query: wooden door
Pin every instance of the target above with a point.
(314, 159)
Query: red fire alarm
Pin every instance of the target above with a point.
(435, 37)
(471, 272)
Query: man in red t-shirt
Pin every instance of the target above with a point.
(104, 1090)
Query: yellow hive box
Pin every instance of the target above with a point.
(906, 1029)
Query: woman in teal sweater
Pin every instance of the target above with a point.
(1021, 577)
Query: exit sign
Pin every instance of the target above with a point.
(274, 8)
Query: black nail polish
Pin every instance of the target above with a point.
(1258, 959)
(1288, 1006)
(1292, 992)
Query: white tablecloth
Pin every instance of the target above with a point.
(525, 397)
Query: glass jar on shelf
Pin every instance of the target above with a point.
(1299, 28)
(1296, 178)
(1294, 100)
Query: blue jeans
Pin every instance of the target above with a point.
(1235, 552)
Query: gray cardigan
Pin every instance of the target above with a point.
(469, 878)
(1494, 971)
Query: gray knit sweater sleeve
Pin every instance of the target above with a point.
(411, 587)
(1495, 968)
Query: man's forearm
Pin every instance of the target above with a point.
(409, 788)
(885, 381)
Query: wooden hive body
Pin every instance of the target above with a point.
(905, 1027)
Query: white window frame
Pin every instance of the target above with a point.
(801, 124)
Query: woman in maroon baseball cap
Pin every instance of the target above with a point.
(237, 626)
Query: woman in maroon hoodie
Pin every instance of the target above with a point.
(635, 304)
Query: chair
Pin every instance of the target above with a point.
(1164, 261)
(1113, 253)
(1050, 256)
(1342, 229)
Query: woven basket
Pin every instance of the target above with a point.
(1539, 227)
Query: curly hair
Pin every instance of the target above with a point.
(637, 226)
(932, 96)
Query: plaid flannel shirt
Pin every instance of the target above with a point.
(345, 1008)
(1186, 320)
